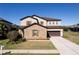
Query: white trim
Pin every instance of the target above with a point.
(40, 19)
(24, 21)
(53, 23)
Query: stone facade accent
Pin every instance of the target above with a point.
(42, 32)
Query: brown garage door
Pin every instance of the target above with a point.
(54, 33)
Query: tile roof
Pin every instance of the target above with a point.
(45, 18)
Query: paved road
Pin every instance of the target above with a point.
(64, 46)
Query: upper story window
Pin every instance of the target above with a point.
(49, 22)
(53, 22)
(41, 22)
(56, 22)
(28, 22)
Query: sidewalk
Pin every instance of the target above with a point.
(32, 51)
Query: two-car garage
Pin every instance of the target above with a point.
(54, 33)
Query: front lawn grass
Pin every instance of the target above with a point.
(6, 44)
(28, 45)
(72, 36)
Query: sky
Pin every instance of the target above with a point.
(13, 12)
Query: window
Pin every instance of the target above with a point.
(35, 32)
(28, 22)
(41, 22)
(53, 22)
(56, 22)
(49, 22)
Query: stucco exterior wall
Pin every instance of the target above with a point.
(53, 23)
(24, 22)
(45, 23)
(42, 32)
(39, 19)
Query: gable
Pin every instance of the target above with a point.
(28, 18)
(39, 18)
(43, 18)
(24, 21)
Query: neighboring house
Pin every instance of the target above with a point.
(10, 26)
(74, 28)
(7, 23)
(5, 27)
(36, 27)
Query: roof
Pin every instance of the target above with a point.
(54, 27)
(74, 26)
(34, 24)
(27, 17)
(45, 18)
(8, 24)
(50, 19)
(1, 19)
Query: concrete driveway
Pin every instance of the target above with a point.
(64, 46)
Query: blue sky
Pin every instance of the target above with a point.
(69, 13)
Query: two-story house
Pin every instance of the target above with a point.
(36, 27)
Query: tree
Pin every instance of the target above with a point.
(3, 30)
(13, 36)
(78, 24)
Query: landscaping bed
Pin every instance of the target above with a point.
(72, 36)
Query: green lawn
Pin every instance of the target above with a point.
(72, 36)
(28, 45)
(4, 42)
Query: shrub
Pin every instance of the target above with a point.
(13, 36)
(65, 29)
(23, 39)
